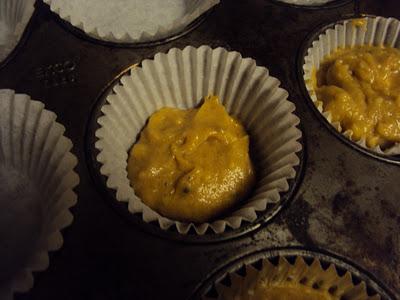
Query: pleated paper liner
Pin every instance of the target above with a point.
(132, 22)
(294, 268)
(182, 78)
(377, 31)
(14, 18)
(36, 189)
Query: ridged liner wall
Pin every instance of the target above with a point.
(298, 273)
(32, 144)
(14, 16)
(131, 35)
(182, 78)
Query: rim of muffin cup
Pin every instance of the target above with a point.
(316, 106)
(234, 65)
(317, 269)
(126, 40)
(328, 5)
(83, 35)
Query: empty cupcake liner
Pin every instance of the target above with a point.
(36, 189)
(14, 17)
(291, 271)
(377, 31)
(182, 78)
(125, 21)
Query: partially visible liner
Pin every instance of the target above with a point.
(97, 29)
(14, 17)
(300, 273)
(377, 31)
(182, 78)
(33, 146)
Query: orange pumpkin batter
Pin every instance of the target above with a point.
(191, 165)
(360, 86)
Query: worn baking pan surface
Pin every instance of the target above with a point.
(346, 202)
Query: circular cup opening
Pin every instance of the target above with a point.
(83, 35)
(222, 278)
(301, 58)
(100, 180)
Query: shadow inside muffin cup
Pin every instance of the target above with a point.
(181, 79)
(324, 41)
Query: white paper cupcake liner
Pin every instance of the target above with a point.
(314, 276)
(36, 189)
(377, 31)
(130, 21)
(14, 16)
(182, 78)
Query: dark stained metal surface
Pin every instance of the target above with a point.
(347, 203)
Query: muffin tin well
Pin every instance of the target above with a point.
(237, 270)
(82, 34)
(342, 204)
(193, 235)
(385, 30)
(36, 189)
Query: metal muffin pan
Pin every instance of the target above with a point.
(346, 202)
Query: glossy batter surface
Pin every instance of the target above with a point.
(191, 165)
(360, 86)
